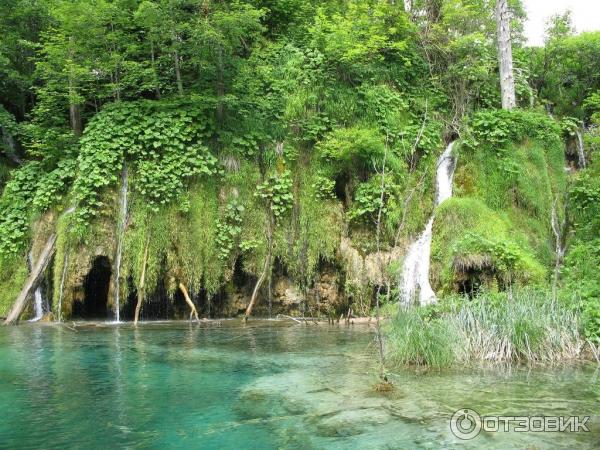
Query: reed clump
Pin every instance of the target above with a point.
(527, 327)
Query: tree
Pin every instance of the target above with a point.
(507, 78)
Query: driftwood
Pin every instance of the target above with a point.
(193, 312)
(33, 281)
(140, 299)
(289, 317)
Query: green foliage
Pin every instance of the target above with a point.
(31, 190)
(566, 71)
(220, 109)
(323, 188)
(229, 230)
(580, 273)
(569, 126)
(500, 127)
(163, 177)
(368, 200)
(506, 257)
(163, 139)
(276, 190)
(13, 273)
(591, 320)
(362, 33)
(352, 149)
(470, 238)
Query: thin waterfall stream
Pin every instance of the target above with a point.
(120, 235)
(415, 272)
(580, 150)
(63, 274)
(38, 299)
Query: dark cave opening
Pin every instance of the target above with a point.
(96, 287)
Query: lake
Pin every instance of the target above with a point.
(261, 385)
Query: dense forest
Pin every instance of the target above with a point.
(281, 156)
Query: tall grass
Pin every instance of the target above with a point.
(529, 328)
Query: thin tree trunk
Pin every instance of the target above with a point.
(74, 111)
(141, 290)
(177, 72)
(557, 230)
(220, 86)
(505, 59)
(188, 300)
(33, 281)
(152, 57)
(266, 267)
(378, 333)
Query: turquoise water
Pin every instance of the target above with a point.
(259, 386)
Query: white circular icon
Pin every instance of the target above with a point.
(465, 424)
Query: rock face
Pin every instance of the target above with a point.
(337, 287)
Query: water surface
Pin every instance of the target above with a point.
(259, 386)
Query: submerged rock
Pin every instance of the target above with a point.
(351, 422)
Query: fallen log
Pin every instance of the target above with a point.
(33, 281)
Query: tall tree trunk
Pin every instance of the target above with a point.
(141, 290)
(156, 85)
(220, 86)
(74, 111)
(188, 300)
(558, 228)
(177, 72)
(381, 264)
(266, 266)
(507, 79)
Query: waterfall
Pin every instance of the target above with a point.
(415, 272)
(580, 150)
(38, 299)
(120, 232)
(63, 275)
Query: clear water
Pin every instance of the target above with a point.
(260, 386)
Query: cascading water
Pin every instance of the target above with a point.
(63, 275)
(415, 272)
(580, 150)
(120, 232)
(38, 299)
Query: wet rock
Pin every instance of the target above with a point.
(286, 293)
(260, 404)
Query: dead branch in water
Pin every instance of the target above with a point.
(290, 317)
(266, 267)
(193, 312)
(141, 292)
